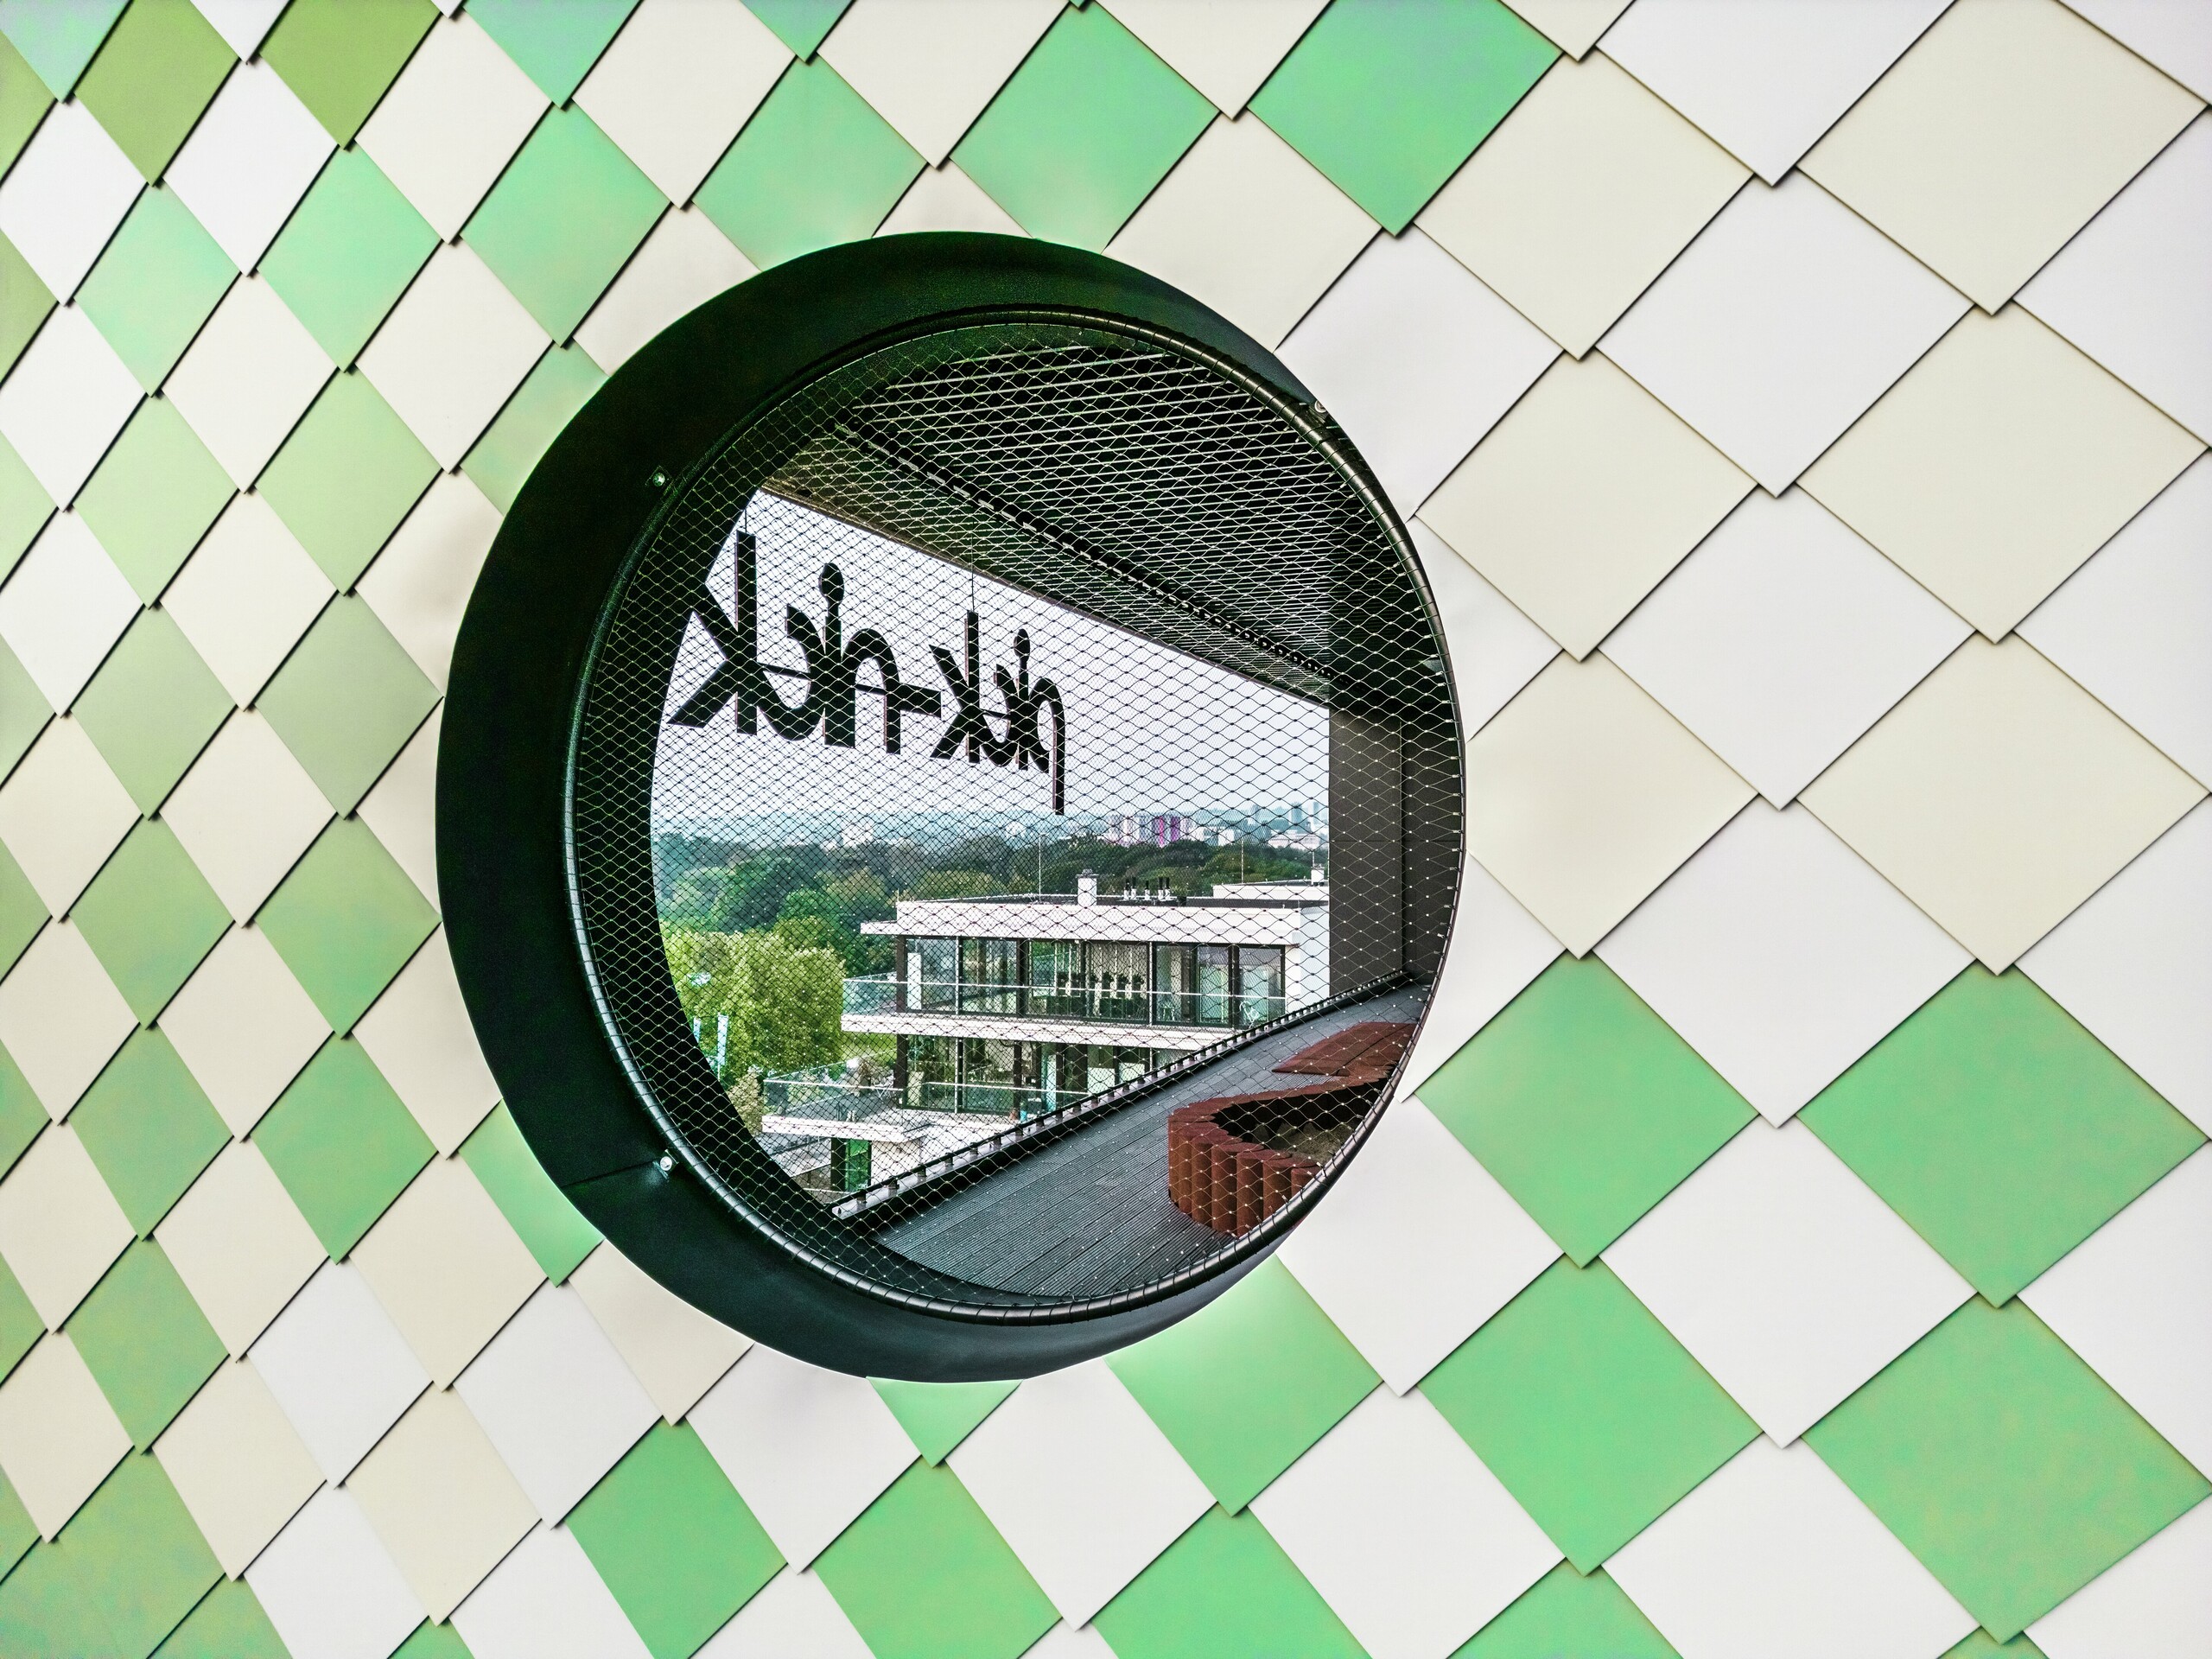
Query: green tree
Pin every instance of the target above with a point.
(956, 884)
(785, 1000)
(753, 893)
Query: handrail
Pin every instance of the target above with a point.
(971, 1159)
(1091, 1004)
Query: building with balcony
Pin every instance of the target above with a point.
(1024, 1003)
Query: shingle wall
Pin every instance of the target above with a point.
(1800, 1240)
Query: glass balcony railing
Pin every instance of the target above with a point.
(1088, 1004)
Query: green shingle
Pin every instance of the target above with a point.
(1982, 1645)
(559, 385)
(347, 701)
(23, 913)
(348, 475)
(145, 1340)
(555, 42)
(1084, 130)
(2004, 1132)
(566, 213)
(1387, 97)
(347, 253)
(801, 25)
(228, 1624)
(138, 1555)
(152, 708)
(23, 304)
(23, 713)
(156, 282)
(1245, 1385)
(344, 921)
(553, 1230)
(1223, 1590)
(555, 389)
(24, 101)
(1584, 1104)
(45, 1614)
(57, 38)
(338, 56)
(2004, 1464)
(161, 65)
(19, 1324)
(922, 1574)
(18, 1532)
(674, 1542)
(814, 166)
(22, 1117)
(149, 1127)
(150, 917)
(1594, 1416)
(937, 1416)
(432, 1641)
(1564, 1615)
(24, 508)
(154, 496)
(344, 1145)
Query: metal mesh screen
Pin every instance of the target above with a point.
(1014, 816)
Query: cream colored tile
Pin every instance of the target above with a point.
(1582, 498)
(1999, 795)
(685, 262)
(678, 82)
(677, 1352)
(441, 1501)
(246, 812)
(942, 199)
(62, 811)
(244, 1027)
(58, 1436)
(1244, 224)
(420, 583)
(446, 127)
(61, 1228)
(1226, 49)
(403, 808)
(1585, 795)
(446, 1267)
(419, 1035)
(240, 1244)
(1581, 198)
(1995, 138)
(2002, 460)
(931, 70)
(237, 1465)
(246, 595)
(61, 1017)
(1574, 26)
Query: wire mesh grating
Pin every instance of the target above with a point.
(1014, 815)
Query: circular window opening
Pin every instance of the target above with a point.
(1011, 810)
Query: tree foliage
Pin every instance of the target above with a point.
(785, 999)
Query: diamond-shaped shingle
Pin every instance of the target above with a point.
(2004, 1465)
(1389, 99)
(1996, 138)
(1594, 1418)
(1999, 1129)
(1997, 796)
(1584, 1104)
(2001, 461)
(1087, 126)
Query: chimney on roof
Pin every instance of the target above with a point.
(1086, 887)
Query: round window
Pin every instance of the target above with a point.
(948, 806)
